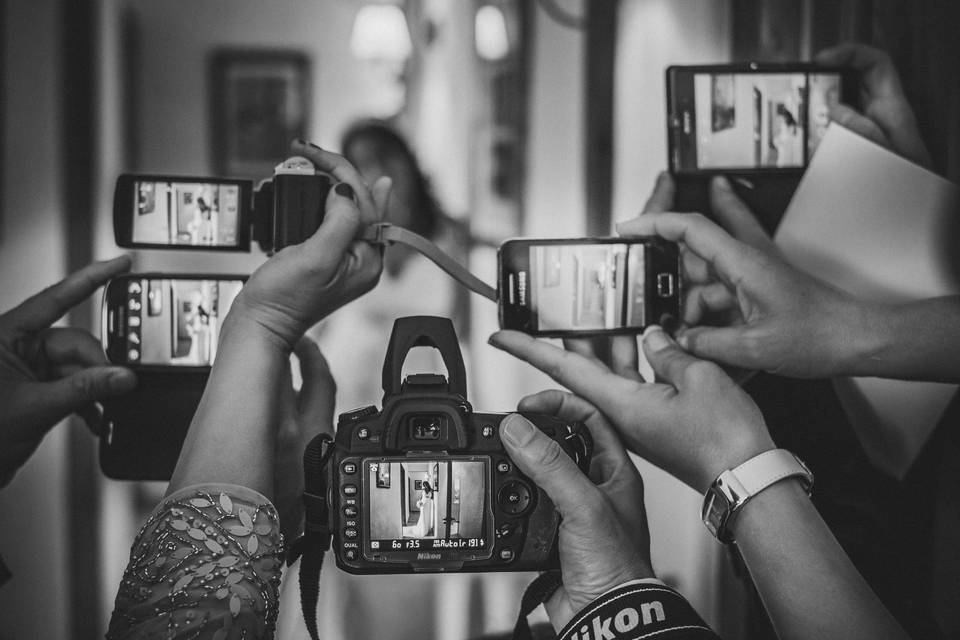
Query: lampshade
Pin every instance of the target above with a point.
(380, 33)
(490, 33)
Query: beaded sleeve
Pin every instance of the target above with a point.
(206, 564)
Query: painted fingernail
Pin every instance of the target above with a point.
(516, 430)
(494, 340)
(345, 190)
(655, 338)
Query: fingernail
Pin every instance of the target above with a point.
(655, 338)
(516, 430)
(683, 341)
(494, 340)
(345, 190)
(722, 183)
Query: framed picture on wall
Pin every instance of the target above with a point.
(383, 476)
(260, 100)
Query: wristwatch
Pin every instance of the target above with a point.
(734, 487)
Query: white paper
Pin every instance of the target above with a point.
(879, 226)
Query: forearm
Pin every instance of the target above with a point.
(912, 341)
(232, 436)
(807, 583)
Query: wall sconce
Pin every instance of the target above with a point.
(490, 33)
(380, 33)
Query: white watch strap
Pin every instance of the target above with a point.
(761, 471)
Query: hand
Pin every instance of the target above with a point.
(48, 373)
(304, 414)
(302, 284)
(887, 118)
(604, 540)
(694, 424)
(773, 316)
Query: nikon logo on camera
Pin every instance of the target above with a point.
(428, 556)
(625, 621)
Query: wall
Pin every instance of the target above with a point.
(654, 34)
(33, 535)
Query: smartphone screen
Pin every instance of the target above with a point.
(153, 320)
(183, 213)
(763, 120)
(557, 287)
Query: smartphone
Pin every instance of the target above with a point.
(588, 286)
(751, 117)
(758, 124)
(164, 321)
(169, 212)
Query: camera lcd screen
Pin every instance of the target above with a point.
(581, 287)
(176, 322)
(759, 120)
(196, 214)
(428, 504)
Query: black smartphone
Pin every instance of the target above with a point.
(588, 286)
(758, 124)
(165, 321)
(170, 212)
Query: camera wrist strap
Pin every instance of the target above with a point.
(384, 233)
(536, 593)
(315, 541)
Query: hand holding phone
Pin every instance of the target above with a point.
(588, 286)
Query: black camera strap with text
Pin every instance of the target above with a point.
(384, 233)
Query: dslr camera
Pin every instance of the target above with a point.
(220, 214)
(425, 485)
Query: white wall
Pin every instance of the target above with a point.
(33, 533)
(652, 35)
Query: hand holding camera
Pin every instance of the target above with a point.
(604, 541)
(49, 373)
(303, 283)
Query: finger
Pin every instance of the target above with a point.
(734, 216)
(92, 416)
(703, 300)
(730, 258)
(695, 268)
(625, 357)
(381, 195)
(663, 193)
(341, 225)
(318, 392)
(341, 169)
(720, 344)
(669, 361)
(49, 402)
(52, 303)
(544, 461)
(859, 124)
(572, 408)
(71, 346)
(594, 348)
(585, 377)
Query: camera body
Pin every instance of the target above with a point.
(218, 214)
(289, 208)
(425, 484)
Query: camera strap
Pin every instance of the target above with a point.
(384, 233)
(536, 593)
(313, 544)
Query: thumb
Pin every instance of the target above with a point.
(319, 389)
(544, 461)
(671, 363)
(53, 401)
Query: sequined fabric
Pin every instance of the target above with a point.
(206, 564)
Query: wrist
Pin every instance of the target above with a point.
(248, 322)
(735, 454)
(861, 335)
